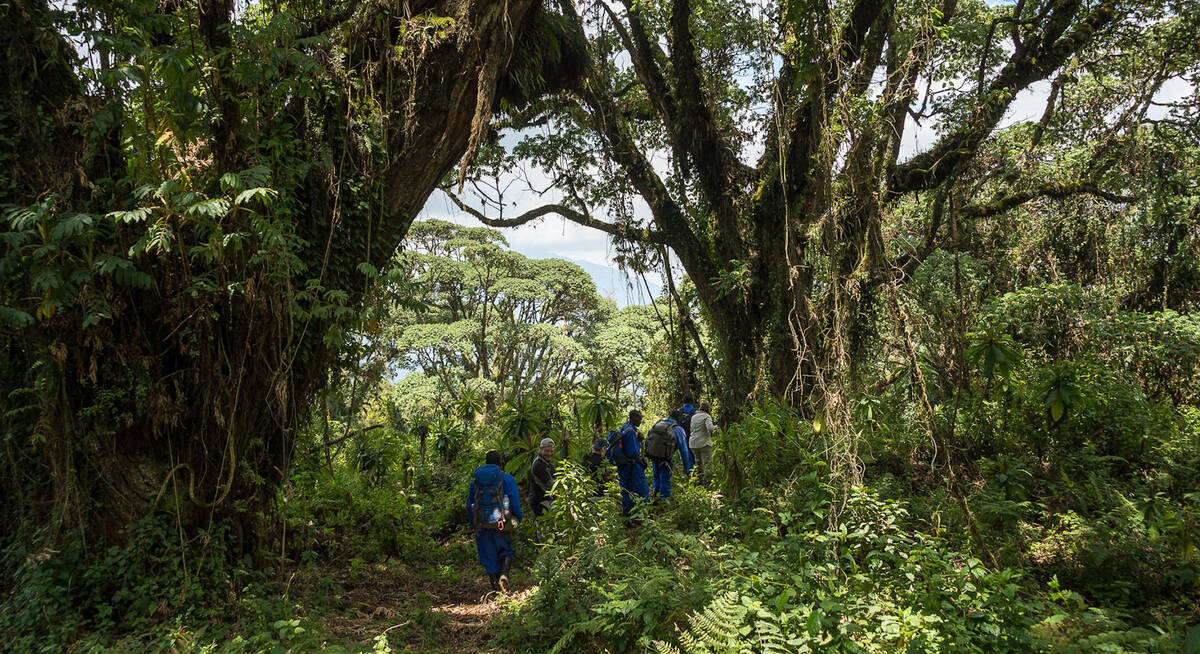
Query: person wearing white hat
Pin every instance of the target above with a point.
(541, 477)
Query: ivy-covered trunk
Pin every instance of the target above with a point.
(739, 358)
(767, 342)
(190, 242)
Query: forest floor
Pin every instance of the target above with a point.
(440, 609)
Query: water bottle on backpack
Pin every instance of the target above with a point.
(505, 510)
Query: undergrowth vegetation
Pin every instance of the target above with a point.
(1050, 503)
(153, 595)
(1077, 550)
(1100, 564)
(337, 522)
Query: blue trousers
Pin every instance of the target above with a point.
(662, 478)
(493, 545)
(633, 482)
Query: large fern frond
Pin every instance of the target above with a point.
(718, 628)
(731, 624)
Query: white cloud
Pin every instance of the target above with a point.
(1173, 90)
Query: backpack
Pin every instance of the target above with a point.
(591, 462)
(660, 443)
(491, 502)
(686, 423)
(614, 445)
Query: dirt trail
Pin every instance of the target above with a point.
(447, 610)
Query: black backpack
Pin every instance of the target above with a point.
(615, 453)
(660, 443)
(686, 423)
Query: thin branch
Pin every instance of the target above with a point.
(685, 317)
(535, 114)
(644, 64)
(854, 33)
(328, 18)
(1016, 24)
(1051, 103)
(810, 117)
(710, 154)
(936, 165)
(1053, 191)
(901, 86)
(351, 434)
(987, 50)
(668, 216)
(625, 232)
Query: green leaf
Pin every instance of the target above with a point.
(130, 276)
(165, 189)
(1192, 644)
(107, 264)
(256, 176)
(15, 318)
(23, 218)
(214, 208)
(1057, 409)
(70, 227)
(47, 280)
(260, 193)
(131, 216)
(231, 182)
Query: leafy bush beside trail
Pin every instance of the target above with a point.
(773, 573)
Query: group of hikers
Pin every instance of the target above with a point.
(494, 503)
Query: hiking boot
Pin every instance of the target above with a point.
(494, 578)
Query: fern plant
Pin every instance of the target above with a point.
(730, 624)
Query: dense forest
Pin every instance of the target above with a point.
(934, 264)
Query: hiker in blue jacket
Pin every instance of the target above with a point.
(494, 506)
(662, 467)
(681, 441)
(626, 452)
(688, 410)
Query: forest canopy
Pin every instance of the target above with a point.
(801, 159)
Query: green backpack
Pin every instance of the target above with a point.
(660, 443)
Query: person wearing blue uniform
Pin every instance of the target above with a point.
(662, 469)
(688, 410)
(627, 454)
(681, 441)
(493, 531)
(685, 414)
